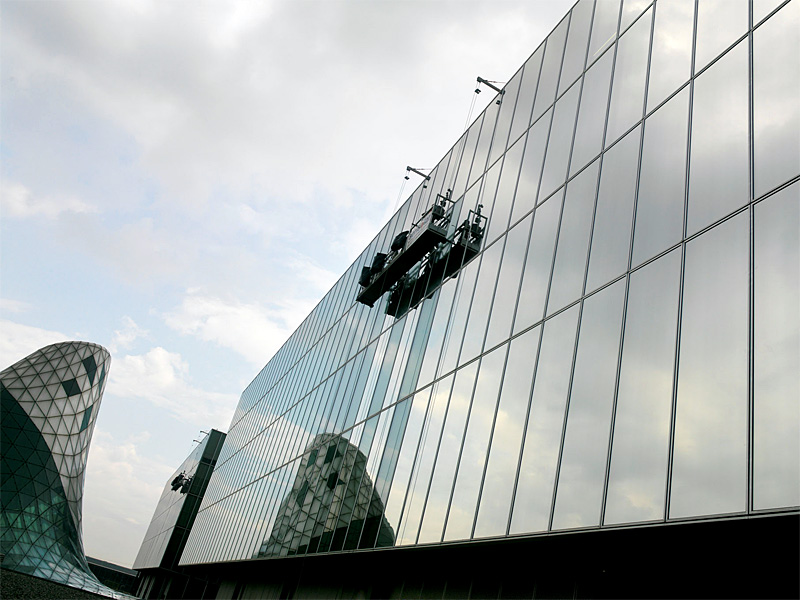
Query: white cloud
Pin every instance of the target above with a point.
(18, 201)
(161, 378)
(124, 337)
(121, 490)
(18, 341)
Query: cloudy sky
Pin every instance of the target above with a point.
(182, 182)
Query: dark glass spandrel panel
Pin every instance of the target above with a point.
(546, 419)
(631, 9)
(719, 164)
(481, 303)
(476, 444)
(776, 109)
(506, 439)
(407, 531)
(505, 297)
(444, 303)
(719, 24)
(604, 28)
(538, 264)
(531, 169)
(640, 450)
(592, 113)
(458, 318)
(776, 426)
(573, 240)
(395, 500)
(662, 180)
(485, 141)
(627, 93)
(505, 116)
(558, 148)
(527, 94)
(444, 470)
(671, 58)
(761, 8)
(583, 464)
(498, 222)
(709, 473)
(551, 68)
(611, 236)
(577, 43)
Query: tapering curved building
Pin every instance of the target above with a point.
(50, 401)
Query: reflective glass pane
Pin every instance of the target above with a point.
(583, 464)
(505, 298)
(627, 94)
(538, 263)
(573, 240)
(719, 167)
(611, 236)
(551, 68)
(476, 445)
(710, 454)
(447, 455)
(640, 450)
(537, 473)
(558, 148)
(604, 27)
(719, 24)
(481, 303)
(671, 59)
(498, 222)
(662, 181)
(592, 113)
(776, 110)
(577, 41)
(509, 424)
(531, 170)
(776, 445)
(527, 93)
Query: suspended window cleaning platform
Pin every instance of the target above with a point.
(421, 258)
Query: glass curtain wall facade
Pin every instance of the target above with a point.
(625, 347)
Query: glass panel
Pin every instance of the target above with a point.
(476, 444)
(509, 99)
(671, 59)
(527, 93)
(447, 455)
(543, 434)
(592, 113)
(776, 111)
(538, 264)
(573, 240)
(498, 222)
(531, 170)
(418, 487)
(509, 424)
(627, 94)
(611, 236)
(481, 303)
(577, 41)
(662, 183)
(777, 351)
(719, 167)
(558, 148)
(604, 27)
(505, 298)
(710, 454)
(551, 68)
(719, 23)
(583, 464)
(640, 449)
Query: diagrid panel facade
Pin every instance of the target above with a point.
(623, 349)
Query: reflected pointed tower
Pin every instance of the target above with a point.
(50, 401)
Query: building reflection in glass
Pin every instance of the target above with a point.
(331, 481)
